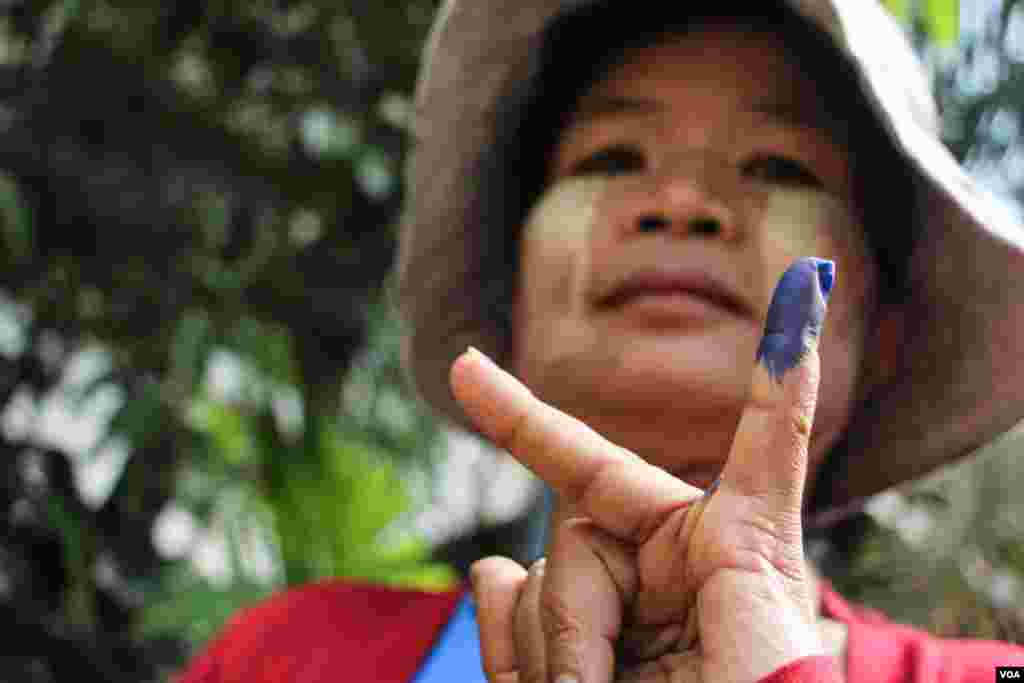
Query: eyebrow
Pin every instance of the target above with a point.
(602, 106)
(795, 117)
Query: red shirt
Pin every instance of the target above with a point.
(350, 631)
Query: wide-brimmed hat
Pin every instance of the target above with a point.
(962, 377)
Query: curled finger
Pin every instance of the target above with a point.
(497, 585)
(528, 628)
(590, 582)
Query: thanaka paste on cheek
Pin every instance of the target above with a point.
(555, 263)
(802, 222)
(555, 241)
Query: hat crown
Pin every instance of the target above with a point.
(863, 29)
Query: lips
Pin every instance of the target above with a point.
(675, 281)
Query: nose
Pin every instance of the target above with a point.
(681, 203)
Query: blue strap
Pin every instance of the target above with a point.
(456, 656)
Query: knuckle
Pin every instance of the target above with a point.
(481, 571)
(537, 568)
(563, 629)
(516, 432)
(532, 673)
(533, 676)
(572, 530)
(761, 533)
(527, 431)
(766, 544)
(492, 574)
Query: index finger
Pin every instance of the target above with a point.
(625, 495)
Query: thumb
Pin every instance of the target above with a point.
(768, 460)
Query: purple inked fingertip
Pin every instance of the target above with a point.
(712, 488)
(796, 314)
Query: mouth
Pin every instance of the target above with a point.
(667, 288)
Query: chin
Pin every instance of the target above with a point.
(679, 416)
(684, 370)
(640, 373)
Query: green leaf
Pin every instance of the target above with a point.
(17, 220)
(375, 494)
(899, 8)
(138, 420)
(188, 605)
(230, 431)
(428, 577)
(942, 19)
(80, 605)
(337, 511)
(190, 349)
(268, 346)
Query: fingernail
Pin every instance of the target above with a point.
(826, 275)
(477, 353)
(796, 315)
(567, 678)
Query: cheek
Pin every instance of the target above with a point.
(795, 224)
(554, 259)
(554, 245)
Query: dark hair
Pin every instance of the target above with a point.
(579, 47)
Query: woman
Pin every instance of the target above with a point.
(614, 236)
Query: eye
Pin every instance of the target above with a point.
(614, 160)
(781, 170)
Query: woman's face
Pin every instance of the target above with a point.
(684, 185)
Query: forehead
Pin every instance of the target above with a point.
(715, 65)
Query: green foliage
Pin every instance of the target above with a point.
(324, 495)
(17, 220)
(332, 518)
(900, 8)
(196, 191)
(80, 605)
(333, 507)
(940, 18)
(183, 605)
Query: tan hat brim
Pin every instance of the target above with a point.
(962, 377)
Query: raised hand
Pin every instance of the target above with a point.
(710, 587)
